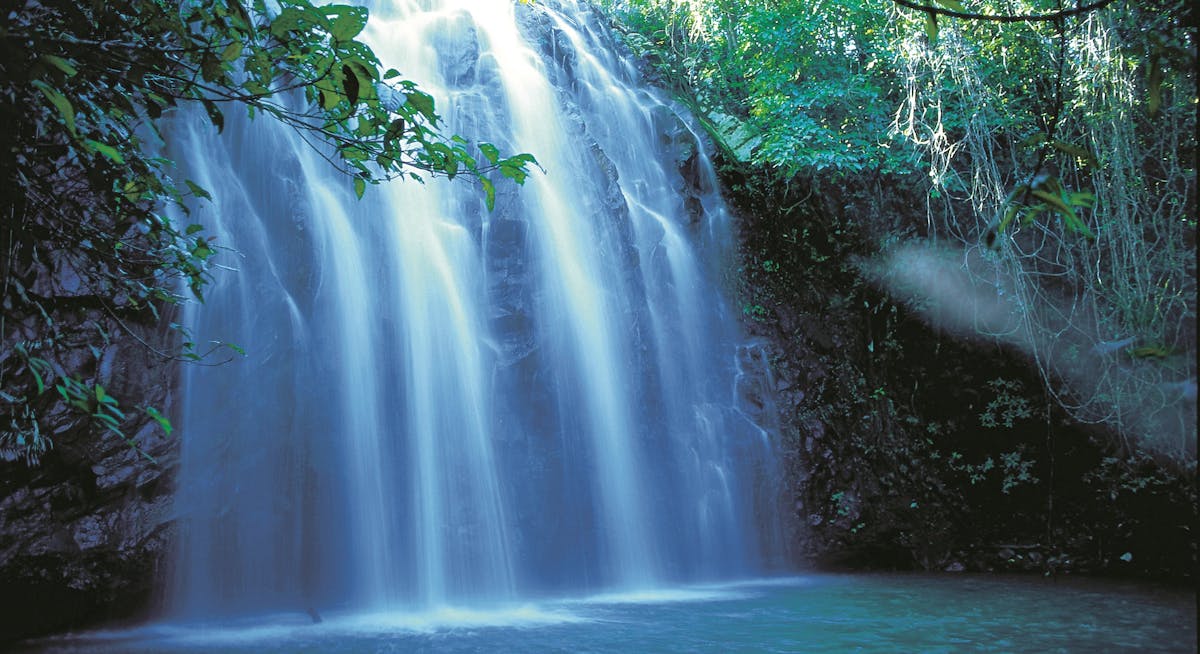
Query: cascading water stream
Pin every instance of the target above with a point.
(444, 405)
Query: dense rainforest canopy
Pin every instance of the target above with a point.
(1060, 140)
(1019, 175)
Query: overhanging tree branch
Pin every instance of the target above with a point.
(1018, 18)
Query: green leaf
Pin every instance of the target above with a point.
(515, 167)
(1055, 202)
(1030, 213)
(394, 131)
(1036, 138)
(232, 51)
(952, 5)
(490, 151)
(60, 63)
(106, 150)
(327, 95)
(201, 250)
(60, 102)
(212, 69)
(160, 419)
(41, 385)
(1081, 199)
(367, 76)
(288, 20)
(423, 103)
(360, 187)
(237, 11)
(1066, 211)
(197, 191)
(354, 153)
(991, 236)
(215, 115)
(347, 21)
(1075, 151)
(931, 28)
(350, 84)
(489, 193)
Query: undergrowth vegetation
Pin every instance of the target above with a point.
(970, 228)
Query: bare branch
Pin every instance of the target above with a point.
(1016, 18)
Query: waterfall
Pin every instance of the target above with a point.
(445, 405)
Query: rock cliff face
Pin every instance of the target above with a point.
(87, 535)
(911, 446)
(84, 533)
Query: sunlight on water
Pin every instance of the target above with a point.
(280, 628)
(813, 613)
(448, 618)
(664, 596)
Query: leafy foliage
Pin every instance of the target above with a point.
(1061, 138)
(86, 89)
(1050, 145)
(792, 86)
(1068, 148)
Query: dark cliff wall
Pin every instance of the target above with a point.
(908, 447)
(84, 533)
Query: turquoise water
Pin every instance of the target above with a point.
(818, 613)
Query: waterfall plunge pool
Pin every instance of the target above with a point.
(553, 394)
(811, 613)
